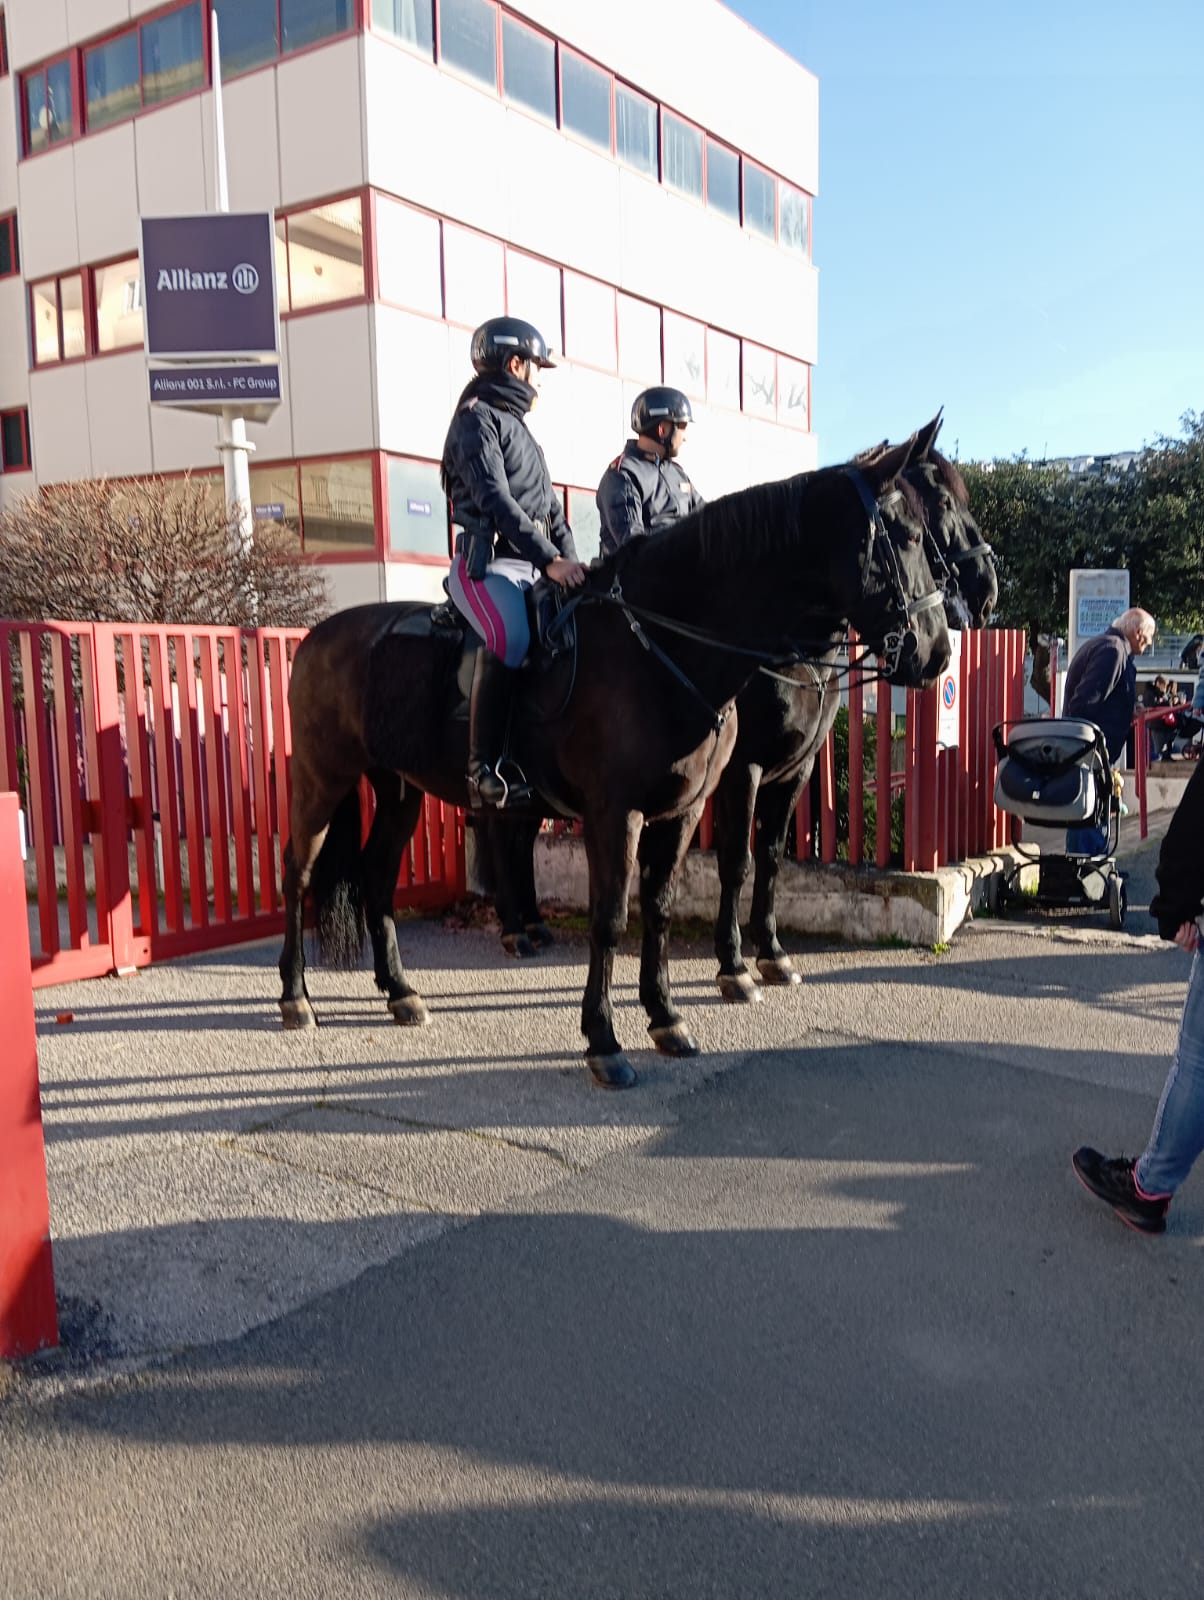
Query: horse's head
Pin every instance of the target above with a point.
(899, 607)
(957, 544)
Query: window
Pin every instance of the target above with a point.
(338, 511)
(639, 339)
(760, 201)
(794, 392)
(589, 322)
(276, 496)
(325, 254)
(57, 308)
(685, 354)
(173, 55)
(528, 68)
(683, 156)
(305, 22)
(15, 454)
(635, 130)
(3, 45)
(409, 259)
(533, 293)
(585, 99)
(247, 33)
(468, 38)
(723, 370)
(112, 80)
(582, 512)
(406, 19)
(49, 105)
(723, 180)
(417, 509)
(760, 381)
(117, 296)
(10, 255)
(796, 220)
(474, 276)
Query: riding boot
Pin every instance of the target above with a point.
(488, 710)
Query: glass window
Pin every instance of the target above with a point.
(474, 276)
(36, 134)
(14, 440)
(326, 254)
(760, 381)
(585, 99)
(406, 19)
(635, 130)
(10, 257)
(760, 201)
(49, 106)
(685, 354)
(528, 68)
(723, 370)
(44, 308)
(173, 55)
(71, 305)
(247, 34)
(282, 294)
(589, 322)
(3, 45)
(794, 392)
(275, 496)
(533, 293)
(417, 509)
(683, 156)
(408, 257)
(582, 512)
(468, 38)
(639, 339)
(337, 508)
(796, 220)
(723, 180)
(118, 294)
(305, 22)
(111, 80)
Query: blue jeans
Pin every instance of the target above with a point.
(1177, 1136)
(1086, 841)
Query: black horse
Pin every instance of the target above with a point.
(636, 726)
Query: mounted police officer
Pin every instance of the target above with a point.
(509, 528)
(644, 490)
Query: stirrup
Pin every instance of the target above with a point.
(518, 789)
(483, 802)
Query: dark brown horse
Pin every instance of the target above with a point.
(635, 727)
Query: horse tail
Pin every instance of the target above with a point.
(337, 886)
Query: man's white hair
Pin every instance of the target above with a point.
(1135, 620)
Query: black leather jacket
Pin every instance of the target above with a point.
(495, 474)
(641, 494)
(1101, 687)
(1180, 896)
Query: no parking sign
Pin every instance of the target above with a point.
(948, 688)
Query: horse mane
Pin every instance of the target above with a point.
(951, 477)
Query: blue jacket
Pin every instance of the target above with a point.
(1101, 687)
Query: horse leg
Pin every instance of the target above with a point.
(511, 842)
(775, 806)
(662, 846)
(398, 807)
(733, 814)
(610, 844)
(538, 932)
(308, 827)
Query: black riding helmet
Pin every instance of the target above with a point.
(497, 340)
(659, 405)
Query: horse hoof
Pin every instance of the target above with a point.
(738, 988)
(297, 1016)
(675, 1040)
(517, 944)
(778, 972)
(409, 1011)
(612, 1072)
(540, 935)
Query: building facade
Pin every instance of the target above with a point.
(430, 163)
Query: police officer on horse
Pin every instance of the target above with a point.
(644, 490)
(510, 528)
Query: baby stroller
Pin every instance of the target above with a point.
(1054, 772)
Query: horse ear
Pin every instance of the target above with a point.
(887, 465)
(926, 437)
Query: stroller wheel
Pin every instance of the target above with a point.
(1118, 901)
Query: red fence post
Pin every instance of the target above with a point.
(856, 760)
(28, 1320)
(884, 793)
(110, 853)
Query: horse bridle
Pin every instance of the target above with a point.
(903, 640)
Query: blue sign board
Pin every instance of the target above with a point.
(223, 386)
(209, 286)
(418, 508)
(273, 511)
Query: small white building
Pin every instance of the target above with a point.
(637, 181)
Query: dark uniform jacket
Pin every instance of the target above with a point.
(1181, 862)
(495, 474)
(1101, 687)
(640, 494)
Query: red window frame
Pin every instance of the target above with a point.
(3, 45)
(494, 88)
(92, 331)
(562, 51)
(630, 88)
(364, 196)
(26, 463)
(665, 112)
(709, 139)
(745, 165)
(8, 225)
(505, 16)
(87, 310)
(72, 57)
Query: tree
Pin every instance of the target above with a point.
(156, 551)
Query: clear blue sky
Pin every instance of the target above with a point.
(1010, 219)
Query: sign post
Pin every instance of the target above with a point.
(1096, 596)
(949, 696)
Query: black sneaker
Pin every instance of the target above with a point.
(1114, 1181)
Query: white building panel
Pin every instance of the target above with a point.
(581, 422)
(330, 383)
(356, 583)
(46, 214)
(87, 18)
(321, 123)
(562, 199)
(14, 344)
(252, 141)
(171, 160)
(59, 423)
(120, 419)
(36, 28)
(406, 580)
(416, 388)
(107, 189)
(8, 143)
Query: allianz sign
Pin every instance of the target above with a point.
(183, 280)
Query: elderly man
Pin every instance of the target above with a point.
(1101, 687)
